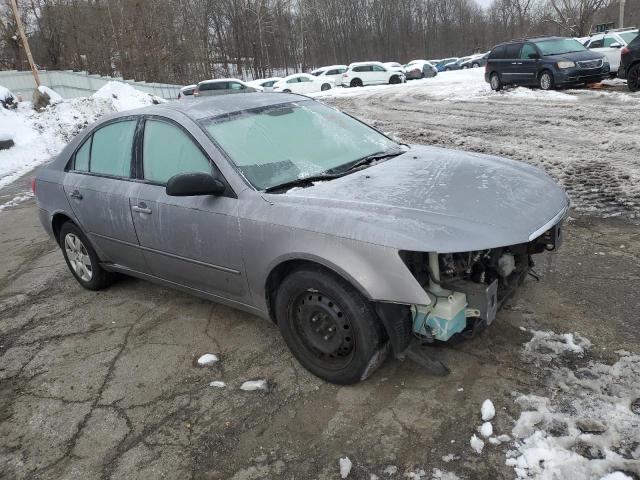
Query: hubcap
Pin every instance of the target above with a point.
(494, 82)
(323, 328)
(545, 81)
(78, 257)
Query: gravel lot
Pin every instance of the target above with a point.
(105, 385)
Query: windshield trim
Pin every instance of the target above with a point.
(204, 122)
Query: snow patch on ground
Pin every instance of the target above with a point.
(586, 428)
(345, 467)
(17, 200)
(488, 411)
(252, 385)
(39, 136)
(217, 384)
(546, 346)
(207, 359)
(476, 444)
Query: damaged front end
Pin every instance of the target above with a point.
(468, 288)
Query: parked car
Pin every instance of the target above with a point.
(264, 84)
(370, 73)
(457, 65)
(440, 64)
(222, 86)
(475, 61)
(284, 207)
(420, 69)
(186, 92)
(546, 62)
(303, 83)
(630, 64)
(610, 44)
(333, 71)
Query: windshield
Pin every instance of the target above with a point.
(559, 46)
(292, 141)
(629, 36)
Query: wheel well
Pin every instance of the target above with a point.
(280, 272)
(57, 221)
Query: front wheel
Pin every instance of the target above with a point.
(464, 67)
(325, 87)
(394, 80)
(633, 78)
(476, 65)
(286, 90)
(546, 81)
(82, 259)
(329, 326)
(494, 81)
(356, 82)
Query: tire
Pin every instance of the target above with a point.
(633, 78)
(475, 65)
(356, 82)
(356, 345)
(325, 87)
(545, 80)
(495, 82)
(464, 67)
(394, 80)
(82, 259)
(286, 90)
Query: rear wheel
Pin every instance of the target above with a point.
(546, 80)
(633, 78)
(82, 259)
(325, 86)
(286, 90)
(494, 81)
(464, 67)
(475, 65)
(329, 326)
(356, 82)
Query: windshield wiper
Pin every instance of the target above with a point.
(306, 181)
(364, 161)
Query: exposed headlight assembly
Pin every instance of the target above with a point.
(567, 64)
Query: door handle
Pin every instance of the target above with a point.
(141, 209)
(76, 194)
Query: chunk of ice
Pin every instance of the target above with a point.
(488, 410)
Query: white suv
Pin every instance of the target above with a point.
(610, 43)
(370, 73)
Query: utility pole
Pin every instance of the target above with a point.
(25, 43)
(622, 2)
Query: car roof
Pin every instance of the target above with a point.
(219, 80)
(358, 64)
(215, 105)
(330, 67)
(187, 87)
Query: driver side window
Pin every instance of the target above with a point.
(168, 151)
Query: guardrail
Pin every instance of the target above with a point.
(70, 84)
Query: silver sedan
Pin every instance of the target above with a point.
(355, 245)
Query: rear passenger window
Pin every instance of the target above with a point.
(111, 149)
(168, 151)
(82, 157)
(378, 68)
(362, 68)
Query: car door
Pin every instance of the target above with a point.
(511, 64)
(307, 84)
(526, 71)
(293, 84)
(98, 184)
(192, 241)
(380, 74)
(611, 49)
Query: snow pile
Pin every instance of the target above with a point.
(545, 346)
(54, 97)
(487, 410)
(40, 136)
(586, 429)
(486, 429)
(124, 97)
(345, 467)
(207, 359)
(476, 444)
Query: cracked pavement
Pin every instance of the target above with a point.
(104, 384)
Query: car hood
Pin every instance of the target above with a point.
(576, 56)
(430, 199)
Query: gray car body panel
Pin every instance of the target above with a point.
(427, 199)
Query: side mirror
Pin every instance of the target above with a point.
(616, 45)
(534, 56)
(192, 184)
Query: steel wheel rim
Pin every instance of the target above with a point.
(323, 329)
(545, 81)
(78, 257)
(494, 82)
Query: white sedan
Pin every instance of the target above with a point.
(264, 84)
(303, 83)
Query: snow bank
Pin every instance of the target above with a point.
(54, 97)
(586, 429)
(40, 136)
